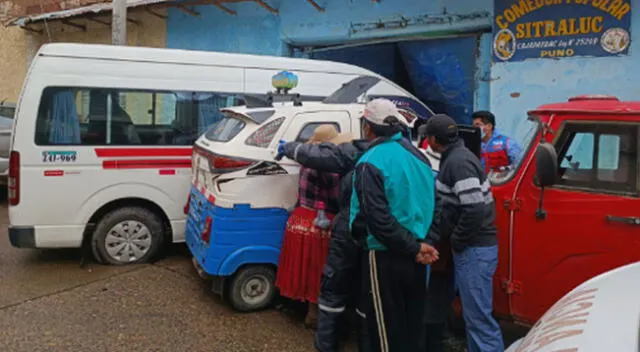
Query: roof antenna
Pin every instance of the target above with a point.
(46, 24)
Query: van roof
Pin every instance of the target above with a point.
(591, 104)
(205, 58)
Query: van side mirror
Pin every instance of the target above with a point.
(546, 172)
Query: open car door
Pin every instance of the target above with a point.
(472, 138)
(469, 134)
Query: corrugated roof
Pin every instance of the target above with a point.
(77, 11)
(11, 9)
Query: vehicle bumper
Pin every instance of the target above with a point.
(53, 236)
(22, 236)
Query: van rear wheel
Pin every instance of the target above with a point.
(128, 235)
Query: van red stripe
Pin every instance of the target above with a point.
(54, 172)
(165, 172)
(147, 164)
(142, 152)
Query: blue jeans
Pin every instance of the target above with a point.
(474, 269)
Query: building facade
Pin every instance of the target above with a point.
(445, 52)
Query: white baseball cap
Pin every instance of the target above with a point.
(377, 110)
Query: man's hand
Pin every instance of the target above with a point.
(427, 254)
(280, 154)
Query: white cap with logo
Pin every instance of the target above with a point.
(377, 110)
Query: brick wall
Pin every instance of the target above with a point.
(13, 65)
(17, 45)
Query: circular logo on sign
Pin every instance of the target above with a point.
(504, 44)
(615, 40)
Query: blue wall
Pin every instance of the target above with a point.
(509, 89)
(482, 91)
(253, 30)
(541, 81)
(351, 20)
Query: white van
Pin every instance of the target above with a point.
(102, 142)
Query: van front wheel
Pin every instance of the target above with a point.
(128, 236)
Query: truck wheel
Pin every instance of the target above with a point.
(129, 235)
(252, 288)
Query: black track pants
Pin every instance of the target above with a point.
(394, 292)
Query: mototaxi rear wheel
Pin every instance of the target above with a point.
(252, 288)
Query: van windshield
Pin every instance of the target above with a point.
(350, 91)
(225, 129)
(524, 134)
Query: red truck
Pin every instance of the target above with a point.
(570, 209)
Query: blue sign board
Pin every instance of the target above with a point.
(527, 29)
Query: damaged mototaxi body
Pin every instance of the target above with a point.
(241, 194)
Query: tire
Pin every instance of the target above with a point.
(256, 281)
(132, 228)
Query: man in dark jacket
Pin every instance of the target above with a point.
(441, 287)
(467, 218)
(342, 270)
(391, 211)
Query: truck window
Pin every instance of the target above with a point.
(525, 135)
(308, 129)
(104, 116)
(602, 158)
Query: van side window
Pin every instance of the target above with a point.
(601, 158)
(308, 129)
(103, 116)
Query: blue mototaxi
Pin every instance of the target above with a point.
(237, 248)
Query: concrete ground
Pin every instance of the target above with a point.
(48, 302)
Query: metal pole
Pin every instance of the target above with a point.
(119, 22)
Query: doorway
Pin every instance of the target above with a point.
(440, 72)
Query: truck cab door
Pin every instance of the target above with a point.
(592, 221)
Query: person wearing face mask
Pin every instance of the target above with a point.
(499, 152)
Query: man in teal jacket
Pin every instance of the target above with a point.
(392, 207)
